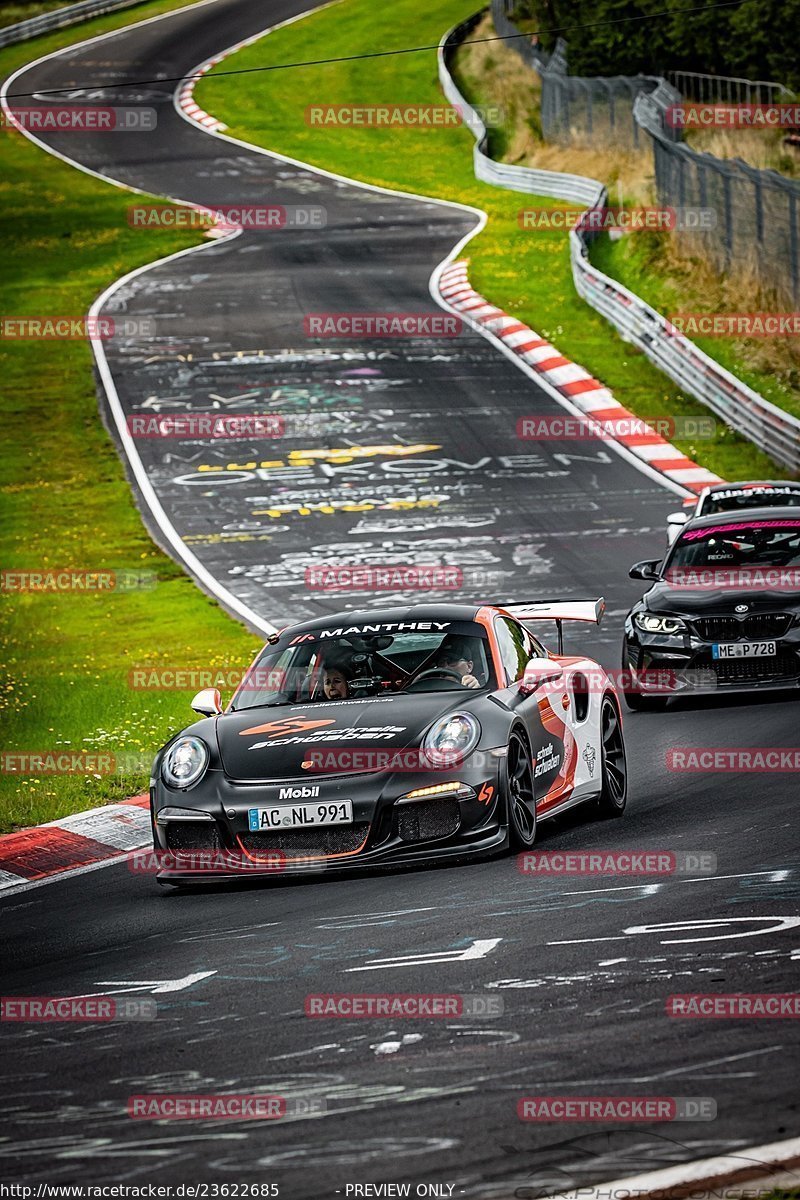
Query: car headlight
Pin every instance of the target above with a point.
(185, 762)
(652, 623)
(451, 739)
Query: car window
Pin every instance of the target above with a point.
(358, 663)
(756, 544)
(732, 501)
(517, 647)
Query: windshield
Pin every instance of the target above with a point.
(753, 544)
(760, 497)
(330, 665)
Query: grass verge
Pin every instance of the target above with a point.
(67, 502)
(528, 274)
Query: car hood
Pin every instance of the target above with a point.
(685, 601)
(274, 743)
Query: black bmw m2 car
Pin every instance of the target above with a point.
(722, 613)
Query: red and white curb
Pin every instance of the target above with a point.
(573, 382)
(187, 102)
(81, 841)
(712, 1177)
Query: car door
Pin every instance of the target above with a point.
(546, 714)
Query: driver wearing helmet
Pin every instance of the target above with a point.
(456, 655)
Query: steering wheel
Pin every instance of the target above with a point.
(436, 671)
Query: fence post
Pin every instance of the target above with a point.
(726, 183)
(793, 247)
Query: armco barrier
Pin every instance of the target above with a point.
(60, 17)
(577, 188)
(767, 426)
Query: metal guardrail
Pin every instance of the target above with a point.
(764, 424)
(59, 18)
(577, 188)
(774, 431)
(728, 89)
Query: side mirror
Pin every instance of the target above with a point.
(538, 672)
(648, 569)
(207, 702)
(677, 518)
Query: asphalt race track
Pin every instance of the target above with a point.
(583, 966)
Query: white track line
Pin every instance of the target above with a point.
(186, 106)
(771, 1156)
(25, 885)
(170, 534)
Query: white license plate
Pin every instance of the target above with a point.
(744, 649)
(299, 816)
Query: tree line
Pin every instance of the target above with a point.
(758, 39)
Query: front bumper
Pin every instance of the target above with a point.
(686, 661)
(385, 831)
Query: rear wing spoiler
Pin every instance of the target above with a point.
(590, 611)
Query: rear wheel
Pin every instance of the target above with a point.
(614, 795)
(520, 799)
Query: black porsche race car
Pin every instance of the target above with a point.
(400, 735)
(722, 612)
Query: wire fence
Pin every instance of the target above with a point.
(574, 108)
(596, 110)
(767, 426)
(529, 51)
(756, 231)
(757, 227)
